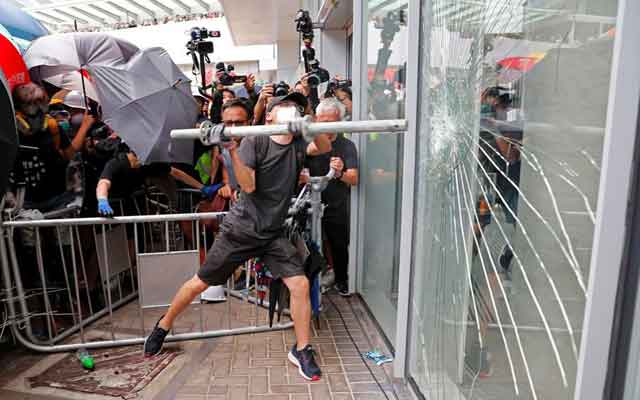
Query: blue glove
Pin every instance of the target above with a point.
(211, 190)
(104, 208)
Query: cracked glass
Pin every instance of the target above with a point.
(513, 97)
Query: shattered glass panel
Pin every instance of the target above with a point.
(381, 160)
(513, 98)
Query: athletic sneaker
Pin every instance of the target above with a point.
(342, 288)
(305, 362)
(153, 343)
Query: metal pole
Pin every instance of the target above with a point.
(309, 128)
(111, 221)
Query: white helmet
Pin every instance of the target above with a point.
(74, 99)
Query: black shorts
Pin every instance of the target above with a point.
(232, 249)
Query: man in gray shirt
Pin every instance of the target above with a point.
(267, 170)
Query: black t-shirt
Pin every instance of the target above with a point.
(125, 180)
(261, 214)
(43, 170)
(337, 194)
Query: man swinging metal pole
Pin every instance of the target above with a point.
(267, 169)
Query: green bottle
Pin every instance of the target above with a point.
(85, 359)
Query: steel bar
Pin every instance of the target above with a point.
(47, 304)
(84, 272)
(111, 221)
(108, 277)
(140, 305)
(313, 128)
(137, 341)
(77, 285)
(66, 274)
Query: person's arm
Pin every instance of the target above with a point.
(320, 145)
(102, 194)
(350, 177)
(78, 141)
(226, 190)
(245, 175)
(185, 178)
(261, 105)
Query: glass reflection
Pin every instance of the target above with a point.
(514, 97)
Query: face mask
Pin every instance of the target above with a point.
(65, 126)
(76, 121)
(486, 108)
(31, 109)
(286, 114)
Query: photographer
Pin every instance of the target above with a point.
(343, 159)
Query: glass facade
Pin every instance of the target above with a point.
(380, 168)
(512, 108)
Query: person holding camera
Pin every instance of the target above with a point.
(267, 170)
(343, 159)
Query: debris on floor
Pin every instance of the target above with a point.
(119, 372)
(378, 357)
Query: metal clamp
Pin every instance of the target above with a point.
(300, 126)
(211, 133)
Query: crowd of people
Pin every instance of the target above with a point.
(70, 159)
(145, 22)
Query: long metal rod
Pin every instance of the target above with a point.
(313, 128)
(111, 221)
(137, 341)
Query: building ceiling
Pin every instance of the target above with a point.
(54, 13)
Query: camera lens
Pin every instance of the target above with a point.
(313, 80)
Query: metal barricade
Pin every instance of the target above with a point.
(102, 264)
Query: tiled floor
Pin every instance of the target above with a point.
(255, 366)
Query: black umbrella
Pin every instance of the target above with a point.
(8, 134)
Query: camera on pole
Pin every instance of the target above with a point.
(316, 74)
(199, 48)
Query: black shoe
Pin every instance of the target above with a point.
(342, 288)
(305, 362)
(153, 343)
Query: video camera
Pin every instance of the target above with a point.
(199, 48)
(227, 76)
(390, 25)
(304, 26)
(337, 84)
(198, 44)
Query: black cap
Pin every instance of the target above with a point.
(295, 97)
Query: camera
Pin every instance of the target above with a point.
(227, 76)
(337, 84)
(304, 25)
(318, 75)
(198, 43)
(281, 89)
(391, 25)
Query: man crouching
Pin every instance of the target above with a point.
(267, 170)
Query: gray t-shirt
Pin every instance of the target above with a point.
(261, 214)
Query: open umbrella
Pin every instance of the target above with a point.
(12, 64)
(66, 60)
(143, 94)
(8, 134)
(144, 100)
(20, 24)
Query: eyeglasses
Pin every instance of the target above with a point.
(236, 123)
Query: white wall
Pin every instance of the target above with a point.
(174, 35)
(333, 53)
(288, 63)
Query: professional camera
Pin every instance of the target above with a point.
(227, 76)
(304, 25)
(281, 89)
(318, 75)
(198, 43)
(337, 84)
(391, 25)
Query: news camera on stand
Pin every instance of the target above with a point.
(315, 74)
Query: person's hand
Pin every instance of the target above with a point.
(250, 83)
(230, 145)
(304, 81)
(337, 164)
(104, 208)
(87, 120)
(226, 192)
(236, 196)
(266, 93)
(211, 190)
